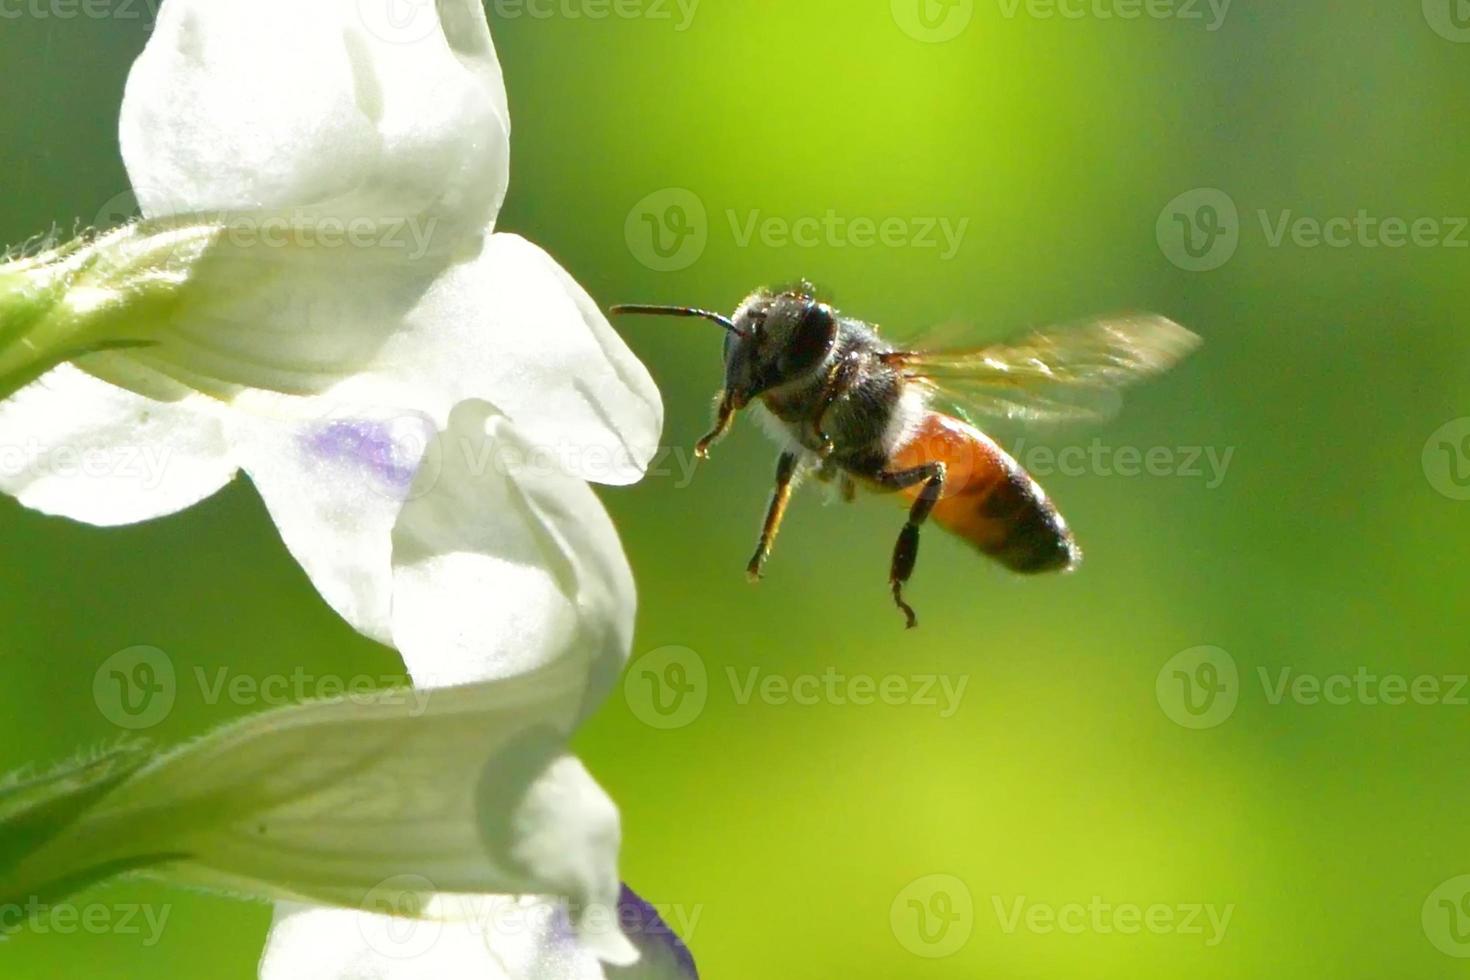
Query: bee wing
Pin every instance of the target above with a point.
(1067, 373)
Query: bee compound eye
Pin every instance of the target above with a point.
(813, 336)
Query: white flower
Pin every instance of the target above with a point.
(317, 285)
(410, 801)
(385, 798)
(317, 297)
(486, 596)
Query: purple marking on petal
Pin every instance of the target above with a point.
(562, 933)
(371, 445)
(664, 954)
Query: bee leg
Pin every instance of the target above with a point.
(906, 552)
(725, 417)
(839, 381)
(785, 480)
(830, 472)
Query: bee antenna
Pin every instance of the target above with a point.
(689, 311)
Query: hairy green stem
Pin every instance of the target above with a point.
(94, 294)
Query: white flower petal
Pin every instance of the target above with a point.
(349, 157)
(453, 935)
(328, 161)
(270, 104)
(511, 327)
(78, 447)
(385, 798)
(383, 325)
(334, 488)
(498, 562)
(468, 549)
(485, 937)
(499, 556)
(277, 304)
(489, 937)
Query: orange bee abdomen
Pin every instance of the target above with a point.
(989, 500)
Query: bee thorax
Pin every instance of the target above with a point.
(856, 412)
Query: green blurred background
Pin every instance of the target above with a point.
(795, 837)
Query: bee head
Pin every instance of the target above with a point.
(779, 337)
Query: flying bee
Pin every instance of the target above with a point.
(850, 407)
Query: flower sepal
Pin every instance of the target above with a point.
(391, 797)
(34, 810)
(96, 293)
